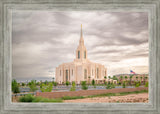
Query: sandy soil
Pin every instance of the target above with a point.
(142, 97)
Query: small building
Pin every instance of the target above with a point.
(81, 69)
(135, 77)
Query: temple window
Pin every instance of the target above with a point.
(84, 54)
(78, 54)
(85, 73)
(66, 75)
(97, 73)
(60, 72)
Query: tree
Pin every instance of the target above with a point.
(145, 79)
(126, 78)
(131, 76)
(109, 77)
(53, 78)
(38, 83)
(67, 83)
(93, 82)
(73, 88)
(23, 84)
(15, 87)
(46, 82)
(55, 84)
(47, 87)
(115, 78)
(84, 86)
(32, 85)
(124, 85)
(137, 78)
(121, 77)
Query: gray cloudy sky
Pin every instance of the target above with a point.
(43, 39)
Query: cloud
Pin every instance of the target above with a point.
(41, 40)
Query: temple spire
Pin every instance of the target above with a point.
(81, 31)
(81, 38)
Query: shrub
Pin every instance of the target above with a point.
(15, 87)
(26, 98)
(32, 85)
(55, 83)
(31, 98)
(72, 97)
(73, 88)
(146, 85)
(110, 86)
(137, 84)
(84, 86)
(124, 85)
(46, 88)
(67, 83)
(93, 82)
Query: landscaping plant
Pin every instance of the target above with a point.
(32, 86)
(84, 85)
(124, 85)
(73, 88)
(46, 88)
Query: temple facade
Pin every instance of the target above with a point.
(81, 69)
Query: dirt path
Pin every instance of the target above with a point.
(141, 97)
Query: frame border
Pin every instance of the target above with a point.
(150, 6)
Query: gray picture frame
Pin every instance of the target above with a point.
(150, 6)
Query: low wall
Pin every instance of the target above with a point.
(87, 92)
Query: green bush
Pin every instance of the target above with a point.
(137, 84)
(73, 88)
(15, 87)
(146, 85)
(84, 86)
(72, 97)
(32, 85)
(31, 98)
(46, 88)
(110, 86)
(124, 85)
(67, 83)
(26, 98)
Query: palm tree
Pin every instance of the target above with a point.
(109, 77)
(131, 76)
(145, 80)
(53, 79)
(137, 78)
(121, 77)
(126, 78)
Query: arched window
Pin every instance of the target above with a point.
(78, 54)
(85, 54)
(85, 73)
(66, 75)
(97, 73)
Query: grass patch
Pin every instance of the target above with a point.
(31, 98)
(72, 97)
(104, 95)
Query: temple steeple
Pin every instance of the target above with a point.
(81, 52)
(81, 41)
